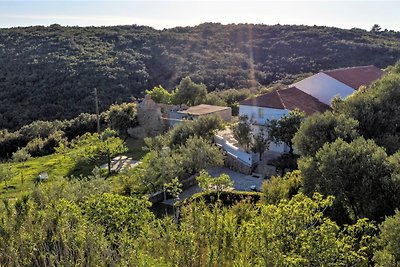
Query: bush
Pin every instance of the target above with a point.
(280, 188)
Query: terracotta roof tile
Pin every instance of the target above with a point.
(290, 98)
(356, 76)
(294, 98)
(269, 100)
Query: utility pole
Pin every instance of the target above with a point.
(97, 110)
(163, 149)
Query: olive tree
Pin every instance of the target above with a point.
(283, 130)
(189, 93)
(102, 147)
(121, 117)
(242, 131)
(357, 173)
(319, 129)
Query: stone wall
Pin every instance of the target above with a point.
(235, 165)
(149, 118)
(226, 114)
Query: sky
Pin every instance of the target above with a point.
(168, 14)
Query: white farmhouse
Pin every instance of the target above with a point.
(313, 94)
(274, 105)
(343, 82)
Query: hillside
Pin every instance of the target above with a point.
(50, 72)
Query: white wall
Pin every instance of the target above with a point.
(246, 158)
(269, 113)
(275, 147)
(323, 87)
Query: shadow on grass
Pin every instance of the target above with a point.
(9, 187)
(82, 167)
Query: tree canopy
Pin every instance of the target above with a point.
(242, 131)
(49, 73)
(189, 93)
(377, 110)
(284, 129)
(357, 173)
(103, 147)
(121, 117)
(322, 128)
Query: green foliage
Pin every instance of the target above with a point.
(260, 143)
(198, 154)
(118, 213)
(44, 146)
(174, 188)
(102, 147)
(395, 69)
(50, 72)
(160, 95)
(78, 223)
(356, 173)
(377, 111)
(73, 223)
(229, 97)
(376, 28)
(284, 162)
(284, 129)
(189, 93)
(242, 131)
(21, 156)
(280, 188)
(121, 117)
(319, 129)
(292, 233)
(160, 166)
(47, 230)
(41, 137)
(219, 184)
(6, 173)
(387, 253)
(204, 126)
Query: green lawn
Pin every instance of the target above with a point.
(56, 165)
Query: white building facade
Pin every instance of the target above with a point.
(259, 116)
(310, 95)
(324, 87)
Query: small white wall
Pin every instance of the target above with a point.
(324, 87)
(244, 157)
(269, 113)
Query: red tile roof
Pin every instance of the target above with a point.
(294, 98)
(290, 98)
(356, 76)
(269, 100)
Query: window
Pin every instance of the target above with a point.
(261, 112)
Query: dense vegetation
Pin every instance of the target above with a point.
(353, 153)
(339, 209)
(79, 223)
(50, 72)
(41, 138)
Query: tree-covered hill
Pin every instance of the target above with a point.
(50, 72)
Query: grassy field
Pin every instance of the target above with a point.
(56, 165)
